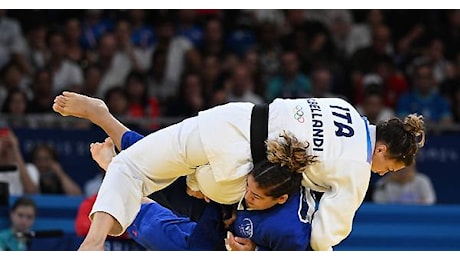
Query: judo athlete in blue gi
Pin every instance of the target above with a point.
(274, 214)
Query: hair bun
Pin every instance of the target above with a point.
(415, 125)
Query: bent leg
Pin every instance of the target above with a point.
(100, 226)
(149, 165)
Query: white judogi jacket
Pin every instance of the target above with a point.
(338, 135)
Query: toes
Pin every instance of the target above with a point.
(61, 101)
(67, 93)
(57, 108)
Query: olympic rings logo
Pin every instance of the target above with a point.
(298, 114)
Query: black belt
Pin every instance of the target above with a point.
(259, 132)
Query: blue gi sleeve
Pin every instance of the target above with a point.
(129, 138)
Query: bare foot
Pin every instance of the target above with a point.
(103, 153)
(78, 105)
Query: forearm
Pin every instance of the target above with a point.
(68, 185)
(28, 185)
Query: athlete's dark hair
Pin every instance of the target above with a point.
(281, 172)
(403, 138)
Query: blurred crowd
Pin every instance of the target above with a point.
(151, 65)
(173, 63)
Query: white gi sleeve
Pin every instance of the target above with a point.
(332, 222)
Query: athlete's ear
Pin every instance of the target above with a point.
(380, 148)
(282, 199)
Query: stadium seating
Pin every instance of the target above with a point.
(376, 227)
(405, 227)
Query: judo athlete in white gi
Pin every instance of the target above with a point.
(213, 149)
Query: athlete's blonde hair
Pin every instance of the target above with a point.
(281, 172)
(290, 152)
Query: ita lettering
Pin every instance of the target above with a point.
(343, 121)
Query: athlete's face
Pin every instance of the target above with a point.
(381, 164)
(256, 199)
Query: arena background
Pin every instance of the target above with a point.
(234, 55)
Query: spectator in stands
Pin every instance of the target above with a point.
(363, 60)
(291, 83)
(22, 177)
(241, 36)
(361, 33)
(22, 216)
(434, 54)
(213, 39)
(142, 34)
(406, 186)
(176, 48)
(189, 100)
(311, 39)
(188, 26)
(114, 64)
(141, 105)
(94, 24)
(322, 83)
(73, 35)
(274, 16)
(269, 49)
(339, 23)
(241, 86)
(394, 82)
(159, 86)
(138, 58)
(384, 73)
(11, 78)
(373, 106)
(53, 178)
(425, 99)
(42, 90)
(12, 42)
(15, 106)
(93, 76)
(16, 103)
(117, 101)
(194, 60)
(410, 37)
(449, 32)
(212, 74)
(65, 73)
(37, 51)
(251, 59)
